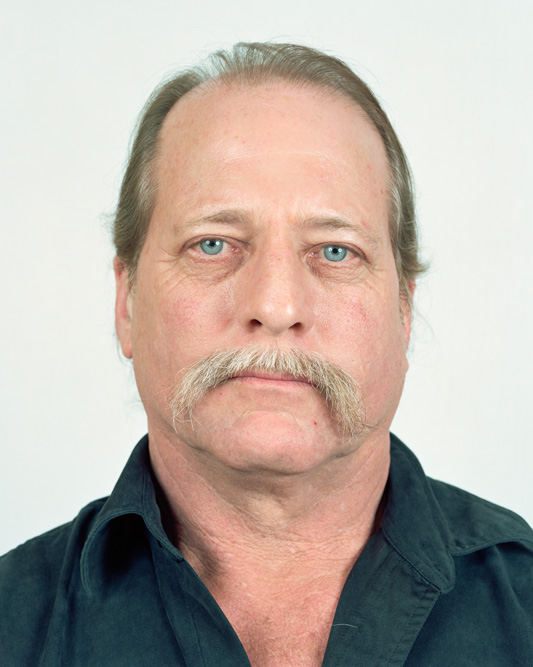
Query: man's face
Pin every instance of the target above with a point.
(270, 229)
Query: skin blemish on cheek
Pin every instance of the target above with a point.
(314, 422)
(358, 313)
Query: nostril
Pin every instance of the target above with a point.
(254, 324)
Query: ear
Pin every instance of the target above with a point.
(123, 308)
(406, 310)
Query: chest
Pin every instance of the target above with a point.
(284, 635)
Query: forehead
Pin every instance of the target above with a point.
(299, 131)
(314, 119)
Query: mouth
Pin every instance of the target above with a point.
(272, 377)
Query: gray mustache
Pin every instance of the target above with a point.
(338, 387)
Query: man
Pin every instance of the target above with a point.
(266, 263)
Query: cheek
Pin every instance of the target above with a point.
(363, 327)
(191, 320)
(371, 339)
(374, 353)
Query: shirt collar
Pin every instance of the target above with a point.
(413, 523)
(134, 494)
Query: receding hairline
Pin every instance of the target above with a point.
(271, 82)
(268, 80)
(220, 85)
(249, 65)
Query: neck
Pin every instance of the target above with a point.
(226, 521)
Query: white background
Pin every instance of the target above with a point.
(456, 79)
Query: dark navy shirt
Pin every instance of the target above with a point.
(446, 581)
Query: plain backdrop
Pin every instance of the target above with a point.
(455, 78)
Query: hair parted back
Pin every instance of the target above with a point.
(253, 64)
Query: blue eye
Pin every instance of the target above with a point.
(211, 246)
(335, 253)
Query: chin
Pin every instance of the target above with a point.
(270, 441)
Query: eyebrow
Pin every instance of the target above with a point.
(336, 223)
(224, 217)
(321, 222)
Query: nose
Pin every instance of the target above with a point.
(275, 294)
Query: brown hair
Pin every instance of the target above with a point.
(251, 64)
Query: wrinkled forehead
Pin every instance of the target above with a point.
(214, 135)
(217, 123)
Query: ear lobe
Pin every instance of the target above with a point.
(123, 308)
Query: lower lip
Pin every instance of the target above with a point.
(270, 382)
